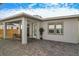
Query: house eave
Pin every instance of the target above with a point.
(39, 19)
(61, 17)
(20, 15)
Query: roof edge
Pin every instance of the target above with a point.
(62, 17)
(20, 15)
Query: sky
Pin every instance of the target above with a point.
(42, 9)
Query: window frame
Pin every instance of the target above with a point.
(55, 32)
(48, 27)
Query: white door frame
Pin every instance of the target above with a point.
(34, 30)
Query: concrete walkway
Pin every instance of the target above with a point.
(38, 48)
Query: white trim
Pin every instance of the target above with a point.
(41, 19)
(4, 30)
(24, 31)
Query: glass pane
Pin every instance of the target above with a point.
(59, 28)
(62, 30)
(51, 31)
(51, 28)
(28, 30)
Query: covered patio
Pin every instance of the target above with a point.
(20, 27)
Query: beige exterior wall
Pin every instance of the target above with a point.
(70, 31)
(78, 30)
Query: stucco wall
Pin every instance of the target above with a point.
(78, 30)
(70, 31)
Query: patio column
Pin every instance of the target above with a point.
(19, 30)
(24, 31)
(4, 30)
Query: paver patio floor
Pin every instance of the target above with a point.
(38, 48)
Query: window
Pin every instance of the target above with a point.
(59, 29)
(51, 28)
(55, 28)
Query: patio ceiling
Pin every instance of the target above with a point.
(14, 22)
